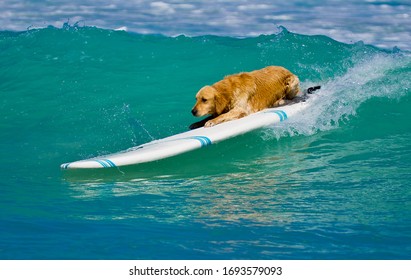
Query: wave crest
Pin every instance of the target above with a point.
(375, 76)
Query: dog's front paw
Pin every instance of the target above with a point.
(210, 123)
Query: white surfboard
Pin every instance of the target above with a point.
(191, 140)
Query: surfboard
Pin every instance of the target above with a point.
(193, 139)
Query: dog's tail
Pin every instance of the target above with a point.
(311, 89)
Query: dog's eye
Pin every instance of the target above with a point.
(203, 100)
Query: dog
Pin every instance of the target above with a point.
(241, 94)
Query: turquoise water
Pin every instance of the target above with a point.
(332, 183)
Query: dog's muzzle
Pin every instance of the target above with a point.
(194, 112)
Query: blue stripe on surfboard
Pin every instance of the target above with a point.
(198, 139)
(105, 163)
(110, 163)
(281, 114)
(205, 141)
(285, 115)
(65, 166)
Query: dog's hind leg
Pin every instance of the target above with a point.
(293, 87)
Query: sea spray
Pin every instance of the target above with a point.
(339, 99)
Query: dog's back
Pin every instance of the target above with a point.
(275, 82)
(241, 94)
(260, 89)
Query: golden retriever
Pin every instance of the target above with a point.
(241, 94)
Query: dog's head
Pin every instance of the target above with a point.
(206, 102)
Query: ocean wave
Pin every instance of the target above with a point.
(98, 91)
(386, 76)
(348, 21)
(340, 189)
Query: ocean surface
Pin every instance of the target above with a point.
(332, 183)
(382, 23)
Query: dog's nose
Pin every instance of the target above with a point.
(194, 111)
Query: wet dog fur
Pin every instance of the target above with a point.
(245, 93)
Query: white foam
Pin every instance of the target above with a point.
(340, 98)
(122, 28)
(384, 25)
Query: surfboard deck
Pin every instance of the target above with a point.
(193, 139)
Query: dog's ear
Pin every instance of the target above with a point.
(221, 102)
